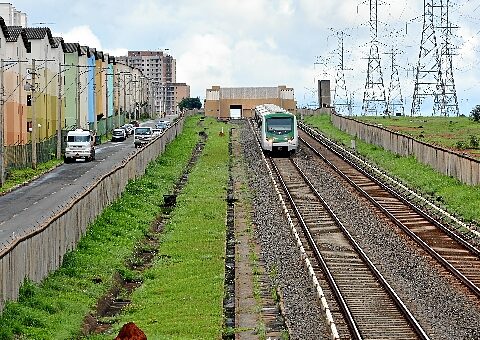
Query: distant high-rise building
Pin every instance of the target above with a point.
(181, 91)
(160, 69)
(11, 16)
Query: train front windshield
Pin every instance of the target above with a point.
(279, 125)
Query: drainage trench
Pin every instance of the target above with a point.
(229, 283)
(119, 295)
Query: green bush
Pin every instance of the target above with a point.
(474, 142)
(475, 113)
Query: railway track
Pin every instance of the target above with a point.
(449, 248)
(366, 306)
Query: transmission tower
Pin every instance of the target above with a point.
(429, 80)
(374, 94)
(450, 94)
(341, 101)
(395, 100)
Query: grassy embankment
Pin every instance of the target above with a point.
(458, 133)
(447, 191)
(182, 292)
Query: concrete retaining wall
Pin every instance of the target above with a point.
(35, 255)
(464, 168)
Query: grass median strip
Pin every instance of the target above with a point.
(181, 297)
(55, 309)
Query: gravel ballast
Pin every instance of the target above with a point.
(304, 317)
(444, 311)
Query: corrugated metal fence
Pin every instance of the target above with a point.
(465, 168)
(34, 255)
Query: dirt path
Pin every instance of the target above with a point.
(257, 314)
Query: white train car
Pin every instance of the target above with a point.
(278, 128)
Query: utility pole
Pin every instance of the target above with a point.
(95, 127)
(77, 111)
(118, 99)
(45, 76)
(124, 96)
(135, 98)
(34, 119)
(374, 94)
(106, 97)
(2, 137)
(59, 113)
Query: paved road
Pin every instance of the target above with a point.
(28, 206)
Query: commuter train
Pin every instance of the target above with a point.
(277, 127)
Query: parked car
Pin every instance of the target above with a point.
(130, 128)
(157, 132)
(119, 135)
(142, 135)
(162, 124)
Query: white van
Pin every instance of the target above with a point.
(80, 144)
(142, 135)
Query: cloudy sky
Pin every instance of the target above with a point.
(234, 43)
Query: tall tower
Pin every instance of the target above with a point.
(428, 80)
(446, 64)
(374, 94)
(394, 98)
(341, 101)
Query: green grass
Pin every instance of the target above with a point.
(19, 176)
(458, 133)
(448, 192)
(182, 296)
(55, 308)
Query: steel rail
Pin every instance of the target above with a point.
(445, 263)
(321, 261)
(388, 288)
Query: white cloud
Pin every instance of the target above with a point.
(82, 35)
(263, 42)
(205, 61)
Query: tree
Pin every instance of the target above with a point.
(190, 104)
(475, 113)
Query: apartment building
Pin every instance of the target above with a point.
(180, 91)
(11, 16)
(160, 69)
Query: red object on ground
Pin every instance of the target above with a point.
(130, 331)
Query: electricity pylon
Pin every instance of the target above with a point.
(374, 94)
